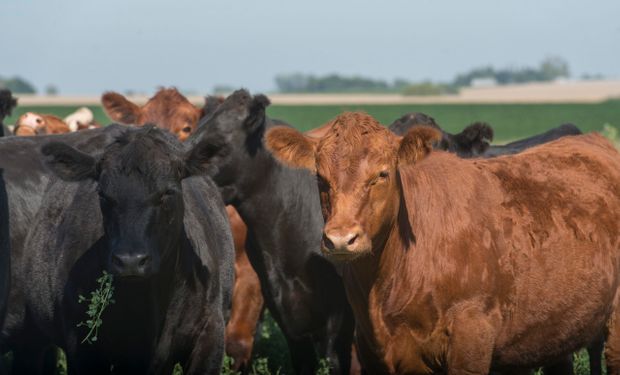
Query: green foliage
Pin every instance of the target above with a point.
(610, 132)
(427, 88)
(260, 366)
(227, 365)
(324, 367)
(17, 85)
(332, 83)
(549, 69)
(177, 370)
(99, 300)
(270, 343)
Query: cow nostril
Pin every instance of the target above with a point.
(144, 261)
(352, 240)
(327, 242)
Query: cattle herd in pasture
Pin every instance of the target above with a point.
(403, 249)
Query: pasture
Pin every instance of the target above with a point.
(510, 121)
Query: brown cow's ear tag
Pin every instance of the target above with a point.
(292, 147)
(417, 144)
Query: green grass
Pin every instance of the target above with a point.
(510, 121)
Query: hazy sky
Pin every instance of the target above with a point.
(88, 46)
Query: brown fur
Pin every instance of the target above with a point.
(31, 123)
(167, 109)
(247, 302)
(507, 263)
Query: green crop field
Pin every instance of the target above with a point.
(510, 121)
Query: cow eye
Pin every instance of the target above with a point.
(187, 129)
(384, 174)
(166, 195)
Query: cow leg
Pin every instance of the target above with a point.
(595, 352)
(612, 345)
(208, 353)
(303, 355)
(336, 345)
(471, 342)
(563, 367)
(34, 357)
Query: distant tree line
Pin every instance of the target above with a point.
(548, 70)
(17, 85)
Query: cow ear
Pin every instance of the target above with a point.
(68, 163)
(417, 144)
(119, 109)
(256, 119)
(475, 138)
(292, 147)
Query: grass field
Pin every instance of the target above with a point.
(510, 121)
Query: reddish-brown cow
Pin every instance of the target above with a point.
(463, 266)
(171, 110)
(167, 109)
(31, 123)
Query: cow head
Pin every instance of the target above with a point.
(167, 109)
(228, 139)
(31, 123)
(139, 185)
(356, 163)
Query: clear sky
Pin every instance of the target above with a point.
(88, 46)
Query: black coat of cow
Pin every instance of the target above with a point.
(7, 103)
(136, 213)
(472, 141)
(280, 206)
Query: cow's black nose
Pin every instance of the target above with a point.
(131, 264)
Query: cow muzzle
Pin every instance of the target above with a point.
(344, 245)
(138, 265)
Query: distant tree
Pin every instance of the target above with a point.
(17, 85)
(51, 90)
(553, 68)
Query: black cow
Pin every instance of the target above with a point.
(522, 144)
(5, 259)
(280, 206)
(138, 214)
(7, 103)
(472, 141)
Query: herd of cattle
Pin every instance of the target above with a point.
(383, 250)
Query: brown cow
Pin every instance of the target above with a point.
(167, 109)
(171, 110)
(463, 266)
(31, 123)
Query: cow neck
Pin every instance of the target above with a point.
(277, 200)
(369, 280)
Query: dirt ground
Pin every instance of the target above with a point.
(556, 92)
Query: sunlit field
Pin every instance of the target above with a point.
(510, 121)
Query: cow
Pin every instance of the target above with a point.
(81, 119)
(7, 104)
(164, 102)
(26, 179)
(472, 141)
(170, 110)
(161, 231)
(30, 124)
(463, 266)
(280, 206)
